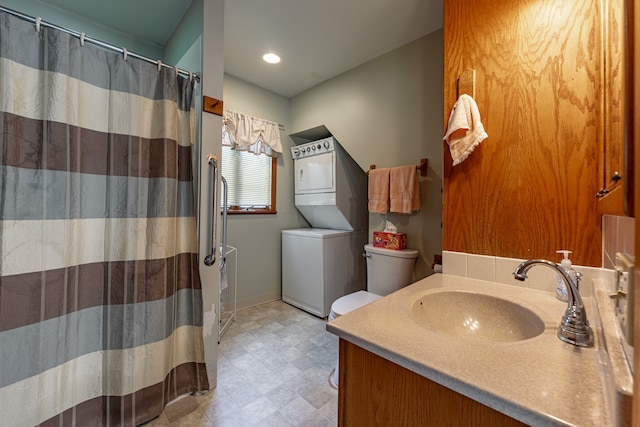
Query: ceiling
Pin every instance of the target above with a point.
(316, 39)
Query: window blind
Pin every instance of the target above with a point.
(248, 177)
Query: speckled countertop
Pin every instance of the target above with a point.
(541, 381)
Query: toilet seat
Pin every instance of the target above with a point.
(347, 303)
(342, 306)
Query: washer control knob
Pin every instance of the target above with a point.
(326, 145)
(313, 148)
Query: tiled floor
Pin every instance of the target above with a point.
(274, 363)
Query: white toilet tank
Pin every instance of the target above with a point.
(388, 270)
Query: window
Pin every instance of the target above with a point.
(251, 180)
(250, 146)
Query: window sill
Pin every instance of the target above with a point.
(252, 212)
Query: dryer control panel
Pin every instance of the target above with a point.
(313, 148)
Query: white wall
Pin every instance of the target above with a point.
(258, 237)
(212, 86)
(197, 47)
(388, 112)
(71, 21)
(184, 37)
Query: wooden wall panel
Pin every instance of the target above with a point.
(529, 188)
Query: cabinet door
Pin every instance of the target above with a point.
(632, 90)
(376, 392)
(615, 110)
(530, 187)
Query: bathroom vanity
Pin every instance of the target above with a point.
(378, 392)
(403, 370)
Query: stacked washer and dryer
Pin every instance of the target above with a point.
(323, 263)
(323, 269)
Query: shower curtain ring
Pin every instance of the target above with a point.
(38, 21)
(125, 53)
(82, 39)
(159, 65)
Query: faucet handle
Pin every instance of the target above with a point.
(578, 278)
(574, 327)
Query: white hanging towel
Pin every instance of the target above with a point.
(464, 130)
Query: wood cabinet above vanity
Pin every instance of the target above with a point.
(616, 172)
(550, 93)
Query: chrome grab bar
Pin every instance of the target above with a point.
(210, 259)
(223, 246)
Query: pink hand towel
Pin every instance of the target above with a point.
(379, 190)
(404, 189)
(464, 130)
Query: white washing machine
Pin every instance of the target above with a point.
(321, 265)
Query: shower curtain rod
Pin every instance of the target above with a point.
(102, 44)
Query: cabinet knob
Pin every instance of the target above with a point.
(616, 177)
(604, 191)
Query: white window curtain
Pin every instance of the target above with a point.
(253, 134)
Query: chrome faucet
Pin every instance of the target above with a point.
(574, 327)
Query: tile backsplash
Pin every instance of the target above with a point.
(617, 236)
(500, 270)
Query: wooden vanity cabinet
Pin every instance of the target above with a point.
(376, 392)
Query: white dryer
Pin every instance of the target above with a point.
(321, 265)
(330, 187)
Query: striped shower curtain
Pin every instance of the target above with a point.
(100, 296)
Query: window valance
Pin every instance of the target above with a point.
(253, 134)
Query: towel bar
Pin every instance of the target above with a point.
(423, 167)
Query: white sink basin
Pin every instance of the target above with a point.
(476, 316)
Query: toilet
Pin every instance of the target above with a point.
(387, 271)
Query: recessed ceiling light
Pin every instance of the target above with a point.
(271, 58)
